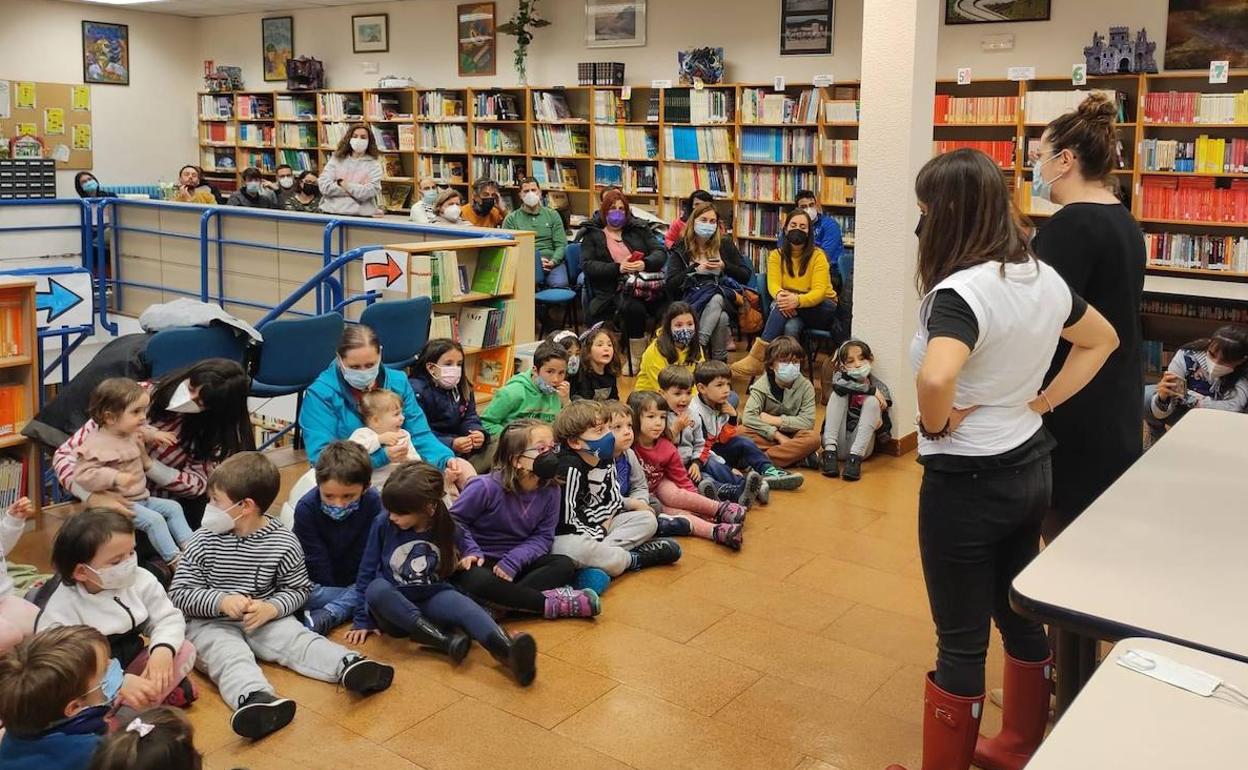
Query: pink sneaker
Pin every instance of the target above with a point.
(727, 534)
(730, 513)
(571, 603)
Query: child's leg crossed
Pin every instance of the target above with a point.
(676, 499)
(740, 452)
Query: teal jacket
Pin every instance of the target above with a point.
(517, 399)
(329, 413)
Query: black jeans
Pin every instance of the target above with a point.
(977, 531)
(525, 593)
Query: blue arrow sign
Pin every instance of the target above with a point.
(58, 300)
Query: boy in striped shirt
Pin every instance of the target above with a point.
(241, 579)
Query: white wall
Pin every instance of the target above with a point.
(140, 131)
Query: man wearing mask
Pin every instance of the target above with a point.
(485, 211)
(284, 187)
(252, 194)
(551, 239)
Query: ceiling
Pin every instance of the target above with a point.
(230, 7)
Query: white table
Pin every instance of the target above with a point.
(1123, 719)
(1160, 554)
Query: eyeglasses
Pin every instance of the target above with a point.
(539, 449)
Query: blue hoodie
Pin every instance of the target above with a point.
(330, 413)
(66, 745)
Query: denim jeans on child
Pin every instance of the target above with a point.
(340, 602)
(164, 524)
(396, 609)
(741, 453)
(722, 474)
(821, 316)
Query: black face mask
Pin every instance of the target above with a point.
(546, 465)
(796, 237)
(309, 189)
(918, 229)
(484, 206)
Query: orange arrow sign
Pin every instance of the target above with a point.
(390, 271)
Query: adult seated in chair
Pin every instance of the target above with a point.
(706, 270)
(203, 408)
(253, 194)
(192, 188)
(87, 186)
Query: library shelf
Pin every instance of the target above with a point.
(775, 163)
(430, 151)
(11, 361)
(560, 157)
(398, 179)
(208, 119)
(1011, 124)
(12, 439)
(779, 125)
(1193, 223)
(1203, 126)
(492, 154)
(1226, 175)
(1197, 271)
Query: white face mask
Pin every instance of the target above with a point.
(181, 402)
(812, 212)
(358, 144)
(449, 376)
(861, 371)
(218, 520)
(286, 182)
(531, 199)
(451, 212)
(1219, 370)
(118, 576)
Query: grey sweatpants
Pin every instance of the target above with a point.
(611, 554)
(869, 421)
(228, 655)
(714, 328)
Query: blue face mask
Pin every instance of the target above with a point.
(601, 448)
(1039, 187)
(429, 196)
(704, 230)
(253, 188)
(360, 379)
(543, 385)
(110, 685)
(90, 186)
(683, 337)
(340, 512)
(788, 372)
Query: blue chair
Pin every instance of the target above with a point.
(556, 296)
(172, 349)
(402, 326)
(293, 355)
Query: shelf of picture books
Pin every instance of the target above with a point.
(632, 178)
(498, 105)
(389, 106)
(296, 107)
(490, 140)
(710, 105)
(680, 179)
(796, 105)
(623, 142)
(341, 105)
(18, 381)
(439, 106)
(625, 105)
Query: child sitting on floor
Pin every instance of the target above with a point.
(676, 344)
(17, 616)
(412, 552)
(241, 581)
(779, 414)
(857, 411)
(332, 522)
(158, 739)
(685, 511)
(102, 586)
(114, 459)
(599, 373)
(1210, 373)
(56, 690)
(571, 343)
(508, 521)
(449, 403)
(538, 394)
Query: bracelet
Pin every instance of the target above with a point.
(1047, 402)
(925, 433)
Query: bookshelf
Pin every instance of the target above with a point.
(19, 456)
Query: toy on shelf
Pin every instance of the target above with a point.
(1120, 54)
(704, 64)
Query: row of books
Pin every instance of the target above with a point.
(1195, 199)
(255, 107)
(492, 138)
(392, 165)
(697, 144)
(837, 190)
(550, 105)
(680, 180)
(706, 106)
(299, 160)
(505, 171)
(1044, 106)
(333, 133)
(218, 133)
(841, 152)
(394, 196)
(443, 276)
(212, 106)
(293, 107)
(774, 184)
(1001, 152)
(438, 105)
(261, 159)
(255, 134)
(846, 223)
(296, 135)
(1206, 155)
(560, 140)
(487, 325)
(496, 106)
(385, 106)
(1195, 107)
(600, 73)
(265, 428)
(445, 170)
(841, 111)
(443, 137)
(1199, 252)
(761, 106)
(12, 477)
(386, 137)
(1189, 309)
(13, 334)
(609, 107)
(342, 106)
(555, 174)
(1156, 356)
(626, 142)
(778, 145)
(631, 177)
(759, 221)
(756, 252)
(217, 159)
(977, 110)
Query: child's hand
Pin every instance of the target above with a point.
(162, 438)
(126, 479)
(110, 501)
(695, 473)
(883, 401)
(138, 692)
(781, 439)
(358, 636)
(501, 573)
(390, 438)
(468, 562)
(681, 423)
(478, 439)
(565, 392)
(728, 409)
(22, 509)
(234, 605)
(396, 453)
(771, 419)
(462, 445)
(159, 669)
(258, 613)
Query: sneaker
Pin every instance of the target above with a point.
(777, 478)
(359, 674)
(654, 554)
(853, 468)
(708, 488)
(764, 493)
(570, 603)
(260, 714)
(674, 526)
(593, 579)
(811, 461)
(752, 489)
(727, 534)
(831, 468)
(730, 513)
(183, 695)
(320, 621)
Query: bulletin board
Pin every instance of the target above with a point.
(57, 113)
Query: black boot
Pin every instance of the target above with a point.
(518, 653)
(454, 645)
(853, 468)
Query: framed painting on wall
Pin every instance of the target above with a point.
(478, 43)
(371, 33)
(1202, 31)
(997, 11)
(277, 45)
(806, 27)
(615, 23)
(105, 53)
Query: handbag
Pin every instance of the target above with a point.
(749, 311)
(644, 286)
(305, 74)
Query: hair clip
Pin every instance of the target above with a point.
(139, 726)
(589, 332)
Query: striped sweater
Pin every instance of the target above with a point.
(267, 564)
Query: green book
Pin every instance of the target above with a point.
(489, 272)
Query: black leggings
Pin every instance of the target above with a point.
(628, 314)
(977, 531)
(525, 593)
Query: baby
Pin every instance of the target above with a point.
(382, 411)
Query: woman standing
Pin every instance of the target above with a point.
(351, 179)
(700, 258)
(800, 284)
(1095, 244)
(989, 322)
(621, 260)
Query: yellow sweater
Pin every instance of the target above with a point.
(653, 362)
(812, 287)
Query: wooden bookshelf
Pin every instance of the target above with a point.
(19, 379)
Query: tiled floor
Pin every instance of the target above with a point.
(805, 650)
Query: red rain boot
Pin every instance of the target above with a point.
(1025, 714)
(950, 727)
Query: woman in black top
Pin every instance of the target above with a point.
(87, 186)
(1095, 244)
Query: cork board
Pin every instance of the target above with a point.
(59, 114)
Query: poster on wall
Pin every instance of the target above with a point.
(615, 23)
(1201, 31)
(478, 45)
(806, 27)
(370, 34)
(277, 45)
(105, 53)
(982, 12)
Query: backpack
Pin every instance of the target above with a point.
(305, 74)
(749, 311)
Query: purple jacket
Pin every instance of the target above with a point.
(516, 529)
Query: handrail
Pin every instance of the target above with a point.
(325, 273)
